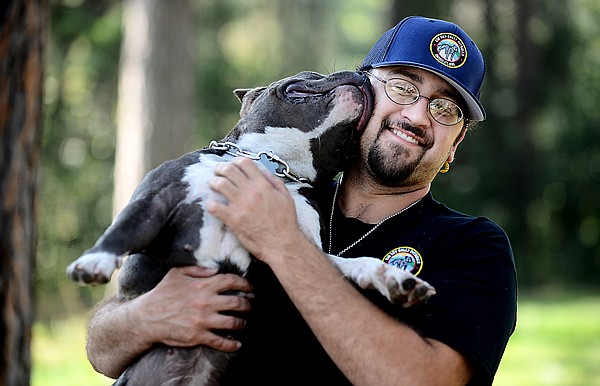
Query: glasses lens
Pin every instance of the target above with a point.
(401, 91)
(445, 111)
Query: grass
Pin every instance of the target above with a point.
(58, 355)
(557, 343)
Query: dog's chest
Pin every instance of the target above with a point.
(216, 243)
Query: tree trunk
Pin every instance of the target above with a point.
(524, 175)
(22, 36)
(402, 8)
(156, 90)
(307, 35)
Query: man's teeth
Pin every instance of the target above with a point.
(405, 137)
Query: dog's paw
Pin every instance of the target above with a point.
(94, 268)
(400, 287)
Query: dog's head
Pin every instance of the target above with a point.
(311, 121)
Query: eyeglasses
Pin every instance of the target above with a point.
(402, 92)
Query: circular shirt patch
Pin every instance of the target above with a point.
(405, 258)
(449, 50)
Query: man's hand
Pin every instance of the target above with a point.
(259, 209)
(183, 310)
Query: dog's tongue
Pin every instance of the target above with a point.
(367, 93)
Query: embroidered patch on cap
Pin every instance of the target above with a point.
(449, 50)
(405, 258)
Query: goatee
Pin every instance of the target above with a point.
(390, 164)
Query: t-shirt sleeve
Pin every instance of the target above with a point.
(474, 310)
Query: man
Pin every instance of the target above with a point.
(311, 325)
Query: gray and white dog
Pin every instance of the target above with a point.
(305, 129)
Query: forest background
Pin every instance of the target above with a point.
(533, 166)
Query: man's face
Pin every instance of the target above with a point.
(402, 144)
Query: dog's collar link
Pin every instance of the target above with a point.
(271, 161)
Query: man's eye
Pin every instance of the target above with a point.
(444, 107)
(403, 89)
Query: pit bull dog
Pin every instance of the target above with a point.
(304, 129)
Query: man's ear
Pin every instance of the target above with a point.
(458, 140)
(247, 96)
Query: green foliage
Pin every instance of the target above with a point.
(533, 166)
(240, 44)
(78, 146)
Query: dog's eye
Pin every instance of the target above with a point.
(297, 91)
(296, 94)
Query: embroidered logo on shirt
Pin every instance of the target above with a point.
(405, 258)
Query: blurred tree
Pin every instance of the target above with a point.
(156, 90)
(22, 37)
(80, 97)
(539, 184)
(403, 8)
(306, 34)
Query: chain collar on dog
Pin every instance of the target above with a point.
(272, 162)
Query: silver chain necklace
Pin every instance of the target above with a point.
(337, 186)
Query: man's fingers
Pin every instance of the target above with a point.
(238, 170)
(222, 343)
(248, 167)
(275, 181)
(232, 282)
(196, 271)
(228, 322)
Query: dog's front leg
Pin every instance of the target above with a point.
(133, 229)
(395, 284)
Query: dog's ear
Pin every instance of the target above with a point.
(240, 92)
(247, 96)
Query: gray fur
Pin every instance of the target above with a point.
(159, 229)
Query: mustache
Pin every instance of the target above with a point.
(427, 140)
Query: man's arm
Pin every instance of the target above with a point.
(182, 310)
(369, 346)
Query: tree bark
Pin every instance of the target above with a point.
(156, 90)
(22, 40)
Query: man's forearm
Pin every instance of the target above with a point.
(183, 310)
(369, 346)
(111, 349)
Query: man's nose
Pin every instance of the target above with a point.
(418, 112)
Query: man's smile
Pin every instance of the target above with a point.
(408, 133)
(405, 136)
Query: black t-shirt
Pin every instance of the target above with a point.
(467, 259)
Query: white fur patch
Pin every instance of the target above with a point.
(216, 242)
(101, 264)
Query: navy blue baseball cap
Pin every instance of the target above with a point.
(437, 46)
